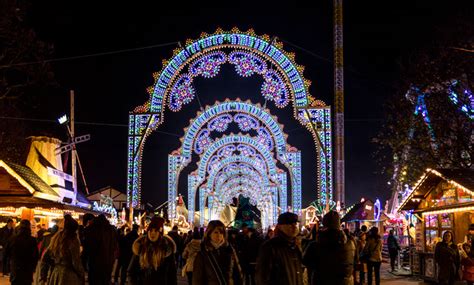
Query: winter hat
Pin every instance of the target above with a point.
(332, 220)
(287, 218)
(156, 223)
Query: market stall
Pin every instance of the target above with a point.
(24, 195)
(442, 199)
(366, 212)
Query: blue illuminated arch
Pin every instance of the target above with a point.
(249, 54)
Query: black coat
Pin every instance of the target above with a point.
(125, 245)
(331, 258)
(23, 254)
(165, 274)
(212, 265)
(100, 248)
(447, 257)
(279, 262)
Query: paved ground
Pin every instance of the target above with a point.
(387, 278)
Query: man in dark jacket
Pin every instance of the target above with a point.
(250, 245)
(279, 260)
(126, 253)
(5, 234)
(100, 246)
(331, 258)
(23, 254)
(393, 248)
(178, 241)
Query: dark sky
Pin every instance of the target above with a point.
(109, 86)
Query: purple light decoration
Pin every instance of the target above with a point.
(226, 151)
(274, 89)
(209, 65)
(203, 141)
(220, 123)
(181, 93)
(246, 64)
(246, 122)
(246, 150)
(265, 138)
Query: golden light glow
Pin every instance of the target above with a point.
(446, 211)
(423, 178)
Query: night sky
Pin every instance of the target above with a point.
(109, 86)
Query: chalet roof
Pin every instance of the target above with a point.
(31, 178)
(431, 178)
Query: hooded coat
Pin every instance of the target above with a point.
(279, 262)
(331, 257)
(189, 253)
(165, 274)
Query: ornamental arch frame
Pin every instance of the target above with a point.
(173, 88)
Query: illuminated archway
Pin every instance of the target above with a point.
(250, 54)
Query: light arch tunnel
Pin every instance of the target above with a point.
(250, 54)
(270, 140)
(261, 162)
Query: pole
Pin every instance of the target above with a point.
(339, 100)
(73, 155)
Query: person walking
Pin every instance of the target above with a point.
(362, 262)
(332, 257)
(126, 253)
(5, 234)
(373, 249)
(64, 249)
(448, 260)
(189, 253)
(178, 240)
(280, 259)
(23, 254)
(393, 248)
(153, 261)
(217, 261)
(100, 246)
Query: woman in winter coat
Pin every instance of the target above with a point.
(447, 258)
(189, 253)
(216, 262)
(373, 248)
(64, 251)
(153, 261)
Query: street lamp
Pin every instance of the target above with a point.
(63, 119)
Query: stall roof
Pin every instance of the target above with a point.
(360, 212)
(30, 177)
(35, 185)
(431, 178)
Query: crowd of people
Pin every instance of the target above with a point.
(97, 253)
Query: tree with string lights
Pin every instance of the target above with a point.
(429, 122)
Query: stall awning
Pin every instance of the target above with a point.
(33, 202)
(463, 178)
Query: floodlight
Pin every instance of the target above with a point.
(63, 119)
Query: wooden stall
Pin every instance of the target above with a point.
(442, 199)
